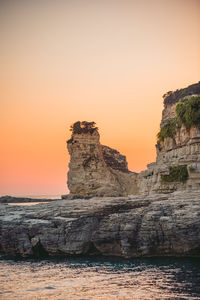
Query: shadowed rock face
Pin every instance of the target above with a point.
(114, 159)
(131, 226)
(174, 97)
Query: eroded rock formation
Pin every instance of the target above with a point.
(94, 169)
(97, 170)
(130, 226)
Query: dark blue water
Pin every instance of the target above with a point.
(97, 278)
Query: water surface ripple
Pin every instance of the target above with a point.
(95, 278)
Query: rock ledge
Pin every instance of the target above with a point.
(133, 226)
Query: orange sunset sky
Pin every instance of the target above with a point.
(94, 60)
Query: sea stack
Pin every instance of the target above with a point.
(95, 169)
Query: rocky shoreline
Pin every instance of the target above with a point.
(11, 199)
(133, 226)
(112, 211)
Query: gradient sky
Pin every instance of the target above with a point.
(94, 60)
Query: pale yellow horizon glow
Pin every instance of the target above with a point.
(103, 61)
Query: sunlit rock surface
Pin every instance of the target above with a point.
(97, 170)
(162, 224)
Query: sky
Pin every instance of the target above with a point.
(108, 61)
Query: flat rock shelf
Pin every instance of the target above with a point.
(132, 226)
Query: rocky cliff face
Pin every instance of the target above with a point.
(165, 223)
(94, 169)
(131, 226)
(97, 170)
(177, 165)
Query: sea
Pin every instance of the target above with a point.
(87, 278)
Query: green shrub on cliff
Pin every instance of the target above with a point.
(188, 112)
(83, 127)
(168, 130)
(176, 174)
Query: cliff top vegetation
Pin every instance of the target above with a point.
(83, 127)
(174, 97)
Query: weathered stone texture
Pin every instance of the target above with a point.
(182, 149)
(97, 170)
(122, 226)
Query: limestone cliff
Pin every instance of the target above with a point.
(177, 165)
(97, 170)
(94, 169)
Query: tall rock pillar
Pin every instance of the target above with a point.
(94, 169)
